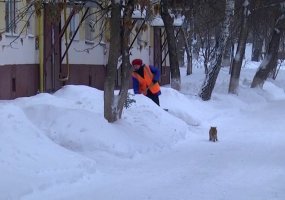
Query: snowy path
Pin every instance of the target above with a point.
(194, 169)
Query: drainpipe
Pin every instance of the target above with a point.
(41, 49)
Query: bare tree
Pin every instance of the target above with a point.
(110, 112)
(119, 46)
(180, 43)
(237, 62)
(169, 28)
(270, 60)
(263, 15)
(126, 67)
(188, 33)
(215, 65)
(178, 9)
(207, 20)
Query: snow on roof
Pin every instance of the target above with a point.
(87, 3)
(137, 14)
(157, 21)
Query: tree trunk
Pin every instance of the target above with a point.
(189, 39)
(236, 65)
(110, 113)
(270, 60)
(215, 65)
(126, 67)
(180, 48)
(256, 46)
(189, 68)
(119, 45)
(174, 65)
(226, 59)
(280, 58)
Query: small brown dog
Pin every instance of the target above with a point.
(213, 134)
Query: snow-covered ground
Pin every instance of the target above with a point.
(60, 147)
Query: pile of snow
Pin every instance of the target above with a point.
(59, 146)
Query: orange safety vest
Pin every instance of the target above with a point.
(146, 82)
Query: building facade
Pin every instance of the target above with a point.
(41, 54)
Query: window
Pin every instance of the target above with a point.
(73, 25)
(31, 21)
(90, 23)
(10, 16)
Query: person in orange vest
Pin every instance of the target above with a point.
(145, 80)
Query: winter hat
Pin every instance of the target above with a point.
(137, 62)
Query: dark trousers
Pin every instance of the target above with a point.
(153, 97)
